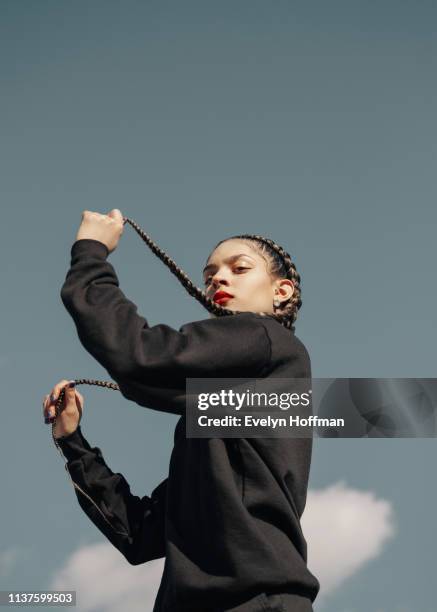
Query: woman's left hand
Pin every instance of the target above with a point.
(105, 228)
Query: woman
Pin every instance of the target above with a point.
(227, 518)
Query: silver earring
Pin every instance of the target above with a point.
(276, 303)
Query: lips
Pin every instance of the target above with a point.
(221, 296)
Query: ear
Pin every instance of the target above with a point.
(285, 287)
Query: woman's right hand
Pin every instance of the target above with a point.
(70, 412)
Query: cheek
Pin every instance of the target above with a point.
(256, 290)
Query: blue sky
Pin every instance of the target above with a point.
(310, 123)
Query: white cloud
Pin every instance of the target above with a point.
(105, 582)
(345, 528)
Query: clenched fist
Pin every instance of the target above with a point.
(104, 228)
(70, 412)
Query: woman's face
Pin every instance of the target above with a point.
(237, 269)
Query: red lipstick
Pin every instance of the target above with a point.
(221, 296)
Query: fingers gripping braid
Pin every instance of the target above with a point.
(78, 381)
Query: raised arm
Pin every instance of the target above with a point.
(134, 525)
(151, 364)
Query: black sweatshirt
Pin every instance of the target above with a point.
(227, 518)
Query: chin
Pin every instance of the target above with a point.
(240, 308)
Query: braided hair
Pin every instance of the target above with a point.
(280, 266)
(279, 261)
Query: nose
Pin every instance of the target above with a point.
(218, 280)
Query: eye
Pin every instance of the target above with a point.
(208, 278)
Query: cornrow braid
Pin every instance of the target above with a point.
(280, 265)
(288, 269)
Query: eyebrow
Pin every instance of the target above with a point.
(228, 260)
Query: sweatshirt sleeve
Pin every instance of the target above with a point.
(151, 363)
(134, 525)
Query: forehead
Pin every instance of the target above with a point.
(231, 248)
